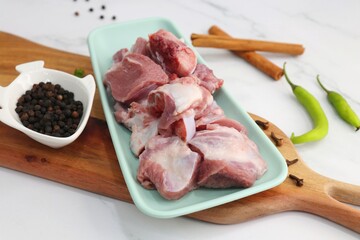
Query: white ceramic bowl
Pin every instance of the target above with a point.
(32, 73)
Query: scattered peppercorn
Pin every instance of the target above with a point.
(101, 16)
(91, 9)
(113, 18)
(76, 13)
(49, 109)
(103, 7)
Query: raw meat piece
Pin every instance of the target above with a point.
(185, 128)
(207, 77)
(137, 119)
(230, 158)
(210, 114)
(119, 55)
(180, 98)
(171, 53)
(141, 135)
(134, 77)
(168, 165)
(121, 114)
(231, 123)
(141, 47)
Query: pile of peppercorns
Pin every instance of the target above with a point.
(50, 109)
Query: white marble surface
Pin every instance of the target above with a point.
(33, 208)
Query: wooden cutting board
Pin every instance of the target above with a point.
(90, 162)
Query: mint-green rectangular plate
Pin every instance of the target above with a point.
(103, 43)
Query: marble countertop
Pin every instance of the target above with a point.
(34, 208)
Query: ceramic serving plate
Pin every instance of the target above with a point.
(103, 43)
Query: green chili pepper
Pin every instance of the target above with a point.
(341, 106)
(313, 107)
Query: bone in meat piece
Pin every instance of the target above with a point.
(142, 124)
(168, 165)
(212, 113)
(181, 98)
(171, 53)
(230, 158)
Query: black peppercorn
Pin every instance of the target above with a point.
(49, 109)
(74, 114)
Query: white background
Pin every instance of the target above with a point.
(33, 208)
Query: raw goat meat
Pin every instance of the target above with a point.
(171, 53)
(230, 158)
(207, 77)
(231, 123)
(142, 125)
(168, 165)
(119, 55)
(140, 47)
(134, 77)
(185, 127)
(180, 134)
(210, 114)
(181, 98)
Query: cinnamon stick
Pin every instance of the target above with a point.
(203, 40)
(255, 59)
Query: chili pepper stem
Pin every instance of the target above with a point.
(293, 86)
(322, 86)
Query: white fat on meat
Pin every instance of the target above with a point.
(183, 95)
(138, 120)
(168, 165)
(185, 127)
(230, 158)
(141, 135)
(180, 98)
